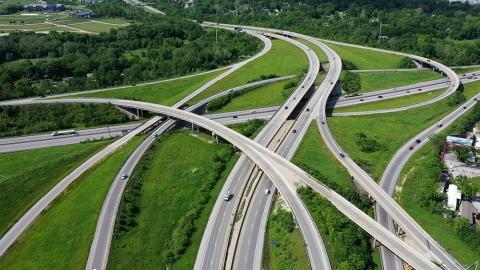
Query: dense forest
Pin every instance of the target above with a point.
(433, 28)
(28, 119)
(153, 47)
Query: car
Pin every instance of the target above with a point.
(124, 176)
(464, 107)
(418, 141)
(155, 135)
(323, 122)
(286, 107)
(294, 131)
(419, 89)
(267, 191)
(408, 91)
(253, 111)
(475, 98)
(410, 148)
(331, 82)
(308, 109)
(380, 96)
(342, 155)
(235, 116)
(43, 96)
(361, 99)
(228, 196)
(440, 125)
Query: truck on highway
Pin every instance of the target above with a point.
(64, 132)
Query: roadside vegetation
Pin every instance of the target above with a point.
(21, 186)
(282, 60)
(284, 248)
(61, 237)
(373, 147)
(249, 129)
(348, 246)
(418, 195)
(28, 119)
(268, 95)
(164, 93)
(391, 103)
(149, 238)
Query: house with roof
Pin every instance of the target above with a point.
(454, 195)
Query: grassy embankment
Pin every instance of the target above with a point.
(282, 60)
(21, 186)
(372, 81)
(165, 93)
(61, 237)
(387, 132)
(178, 182)
(366, 59)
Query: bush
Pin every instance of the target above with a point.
(366, 144)
(407, 63)
(350, 82)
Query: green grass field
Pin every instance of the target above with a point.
(314, 153)
(319, 52)
(21, 186)
(165, 93)
(95, 27)
(265, 96)
(61, 237)
(441, 229)
(283, 59)
(177, 168)
(392, 103)
(370, 81)
(460, 71)
(366, 59)
(390, 130)
(283, 249)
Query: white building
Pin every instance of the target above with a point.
(454, 196)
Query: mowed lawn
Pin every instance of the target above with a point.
(61, 237)
(441, 229)
(26, 176)
(391, 103)
(177, 168)
(366, 59)
(314, 153)
(390, 130)
(165, 93)
(317, 50)
(264, 96)
(282, 60)
(370, 81)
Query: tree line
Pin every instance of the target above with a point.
(436, 29)
(28, 119)
(153, 48)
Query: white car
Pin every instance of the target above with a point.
(267, 191)
(124, 176)
(228, 196)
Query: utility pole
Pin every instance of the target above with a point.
(380, 32)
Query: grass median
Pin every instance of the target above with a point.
(168, 201)
(164, 93)
(365, 58)
(282, 60)
(372, 81)
(21, 186)
(61, 237)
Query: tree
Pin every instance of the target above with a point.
(350, 82)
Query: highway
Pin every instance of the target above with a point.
(251, 241)
(392, 172)
(215, 241)
(286, 177)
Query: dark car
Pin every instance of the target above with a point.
(418, 141)
(323, 122)
(410, 148)
(235, 116)
(380, 96)
(286, 107)
(440, 125)
(308, 109)
(294, 131)
(342, 155)
(464, 107)
(419, 89)
(361, 99)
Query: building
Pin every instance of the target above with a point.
(459, 141)
(454, 196)
(468, 211)
(44, 7)
(82, 13)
